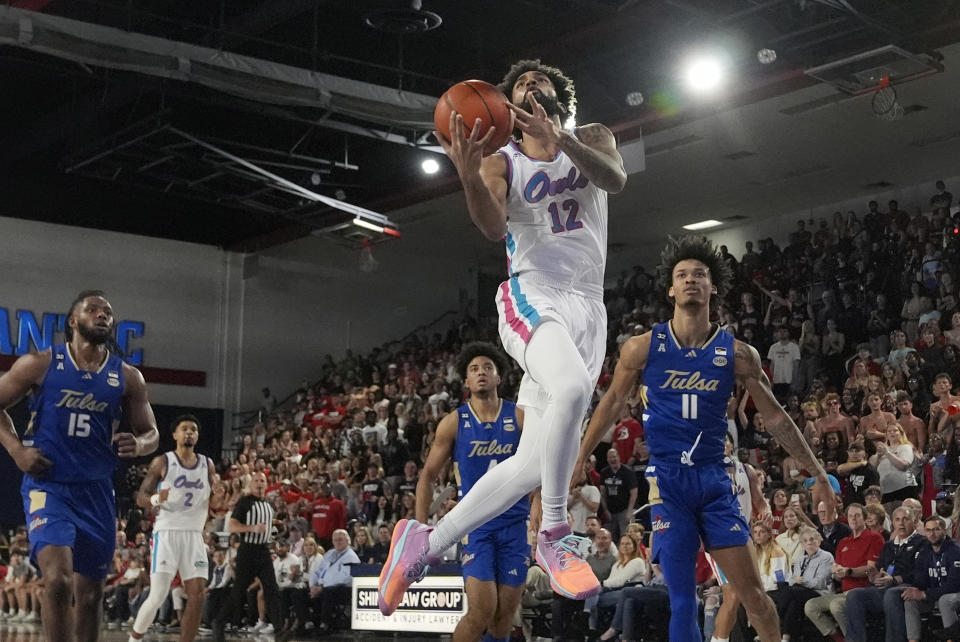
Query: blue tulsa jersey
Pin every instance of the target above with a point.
(685, 392)
(481, 446)
(73, 416)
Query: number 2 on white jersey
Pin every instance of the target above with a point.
(689, 402)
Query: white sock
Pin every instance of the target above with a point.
(716, 639)
(554, 510)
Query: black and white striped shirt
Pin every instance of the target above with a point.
(251, 510)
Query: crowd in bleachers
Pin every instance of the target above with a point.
(858, 321)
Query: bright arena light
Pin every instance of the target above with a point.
(702, 225)
(430, 166)
(704, 74)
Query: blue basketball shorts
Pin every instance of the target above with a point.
(497, 554)
(690, 504)
(81, 515)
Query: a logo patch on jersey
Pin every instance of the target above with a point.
(466, 558)
(735, 527)
(719, 361)
(659, 525)
(466, 424)
(86, 375)
(662, 348)
(662, 336)
(720, 351)
(464, 415)
(691, 354)
(513, 571)
(60, 366)
(37, 522)
(113, 383)
(508, 425)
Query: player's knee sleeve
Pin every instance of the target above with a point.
(155, 599)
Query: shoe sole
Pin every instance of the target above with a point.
(581, 595)
(387, 602)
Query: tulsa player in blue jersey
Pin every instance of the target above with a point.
(80, 391)
(690, 368)
(477, 436)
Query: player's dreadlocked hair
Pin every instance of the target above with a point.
(480, 349)
(697, 248)
(111, 341)
(566, 93)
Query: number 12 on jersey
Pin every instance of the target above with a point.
(573, 208)
(689, 406)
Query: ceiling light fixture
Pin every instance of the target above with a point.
(704, 74)
(702, 225)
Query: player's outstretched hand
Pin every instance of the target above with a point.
(465, 152)
(126, 444)
(32, 462)
(536, 123)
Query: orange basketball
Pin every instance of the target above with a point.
(475, 99)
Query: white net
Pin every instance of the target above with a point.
(885, 104)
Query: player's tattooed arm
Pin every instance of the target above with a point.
(633, 357)
(148, 487)
(778, 422)
(594, 151)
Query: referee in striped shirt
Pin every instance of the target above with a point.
(252, 519)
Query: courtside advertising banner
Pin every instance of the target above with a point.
(432, 605)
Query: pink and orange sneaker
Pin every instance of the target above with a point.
(558, 553)
(408, 562)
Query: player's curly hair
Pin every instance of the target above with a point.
(566, 92)
(696, 248)
(480, 349)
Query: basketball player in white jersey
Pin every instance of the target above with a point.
(178, 485)
(545, 196)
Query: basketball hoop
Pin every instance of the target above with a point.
(884, 103)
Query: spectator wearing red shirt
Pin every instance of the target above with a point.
(829, 612)
(626, 433)
(329, 514)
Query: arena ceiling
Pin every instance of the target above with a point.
(774, 136)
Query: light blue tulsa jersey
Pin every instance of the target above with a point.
(685, 391)
(481, 446)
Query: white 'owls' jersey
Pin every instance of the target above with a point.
(556, 223)
(187, 506)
